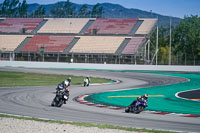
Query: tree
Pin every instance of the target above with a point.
(9, 8)
(69, 10)
(97, 11)
(83, 12)
(163, 52)
(58, 11)
(40, 12)
(187, 39)
(13, 8)
(63, 10)
(23, 9)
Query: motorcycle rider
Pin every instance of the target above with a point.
(145, 97)
(87, 81)
(62, 87)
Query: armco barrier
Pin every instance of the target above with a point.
(29, 64)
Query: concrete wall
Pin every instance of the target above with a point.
(98, 66)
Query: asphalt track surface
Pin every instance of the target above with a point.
(35, 101)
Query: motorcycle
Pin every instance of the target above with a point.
(138, 107)
(60, 98)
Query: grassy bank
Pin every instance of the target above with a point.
(9, 79)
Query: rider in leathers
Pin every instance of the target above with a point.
(62, 88)
(145, 97)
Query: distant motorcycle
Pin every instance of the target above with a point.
(60, 98)
(138, 107)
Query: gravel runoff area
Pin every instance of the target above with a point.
(11, 125)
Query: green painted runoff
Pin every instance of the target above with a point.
(166, 102)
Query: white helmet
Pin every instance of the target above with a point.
(146, 95)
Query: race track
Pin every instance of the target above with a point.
(35, 101)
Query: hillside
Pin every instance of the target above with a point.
(113, 11)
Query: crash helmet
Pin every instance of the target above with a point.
(67, 90)
(70, 78)
(146, 95)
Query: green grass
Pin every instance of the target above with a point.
(104, 126)
(9, 79)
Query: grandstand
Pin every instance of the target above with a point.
(133, 45)
(146, 27)
(63, 25)
(49, 43)
(112, 26)
(91, 40)
(97, 44)
(17, 25)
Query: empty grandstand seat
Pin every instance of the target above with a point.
(10, 42)
(97, 44)
(146, 26)
(49, 43)
(63, 25)
(112, 26)
(16, 25)
(133, 45)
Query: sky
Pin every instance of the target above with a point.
(175, 8)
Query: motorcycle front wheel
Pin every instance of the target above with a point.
(139, 109)
(60, 103)
(127, 109)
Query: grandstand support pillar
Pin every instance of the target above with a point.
(58, 57)
(119, 58)
(148, 57)
(135, 59)
(85, 58)
(28, 56)
(145, 52)
(115, 57)
(13, 56)
(43, 57)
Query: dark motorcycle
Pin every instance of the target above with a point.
(138, 107)
(60, 98)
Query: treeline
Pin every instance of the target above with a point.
(185, 43)
(15, 8)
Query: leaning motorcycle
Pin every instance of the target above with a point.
(60, 98)
(138, 107)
